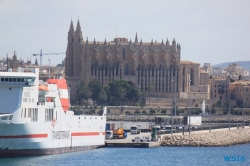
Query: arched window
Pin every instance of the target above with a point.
(183, 85)
(117, 70)
(126, 70)
(92, 69)
(149, 70)
(192, 76)
(123, 53)
(96, 68)
(106, 71)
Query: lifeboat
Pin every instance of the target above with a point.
(43, 88)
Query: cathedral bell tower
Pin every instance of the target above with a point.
(71, 34)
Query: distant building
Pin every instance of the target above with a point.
(219, 87)
(235, 70)
(240, 91)
(208, 68)
(219, 72)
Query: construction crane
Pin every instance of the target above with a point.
(41, 54)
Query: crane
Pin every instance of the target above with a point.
(41, 54)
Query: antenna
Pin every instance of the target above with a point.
(7, 62)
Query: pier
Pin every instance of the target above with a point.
(217, 137)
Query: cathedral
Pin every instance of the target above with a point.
(150, 66)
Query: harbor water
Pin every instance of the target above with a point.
(232, 155)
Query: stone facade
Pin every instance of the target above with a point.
(149, 66)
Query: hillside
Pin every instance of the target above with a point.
(243, 64)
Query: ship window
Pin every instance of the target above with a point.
(10, 79)
(5, 117)
(29, 113)
(2, 79)
(48, 115)
(6, 79)
(22, 79)
(14, 79)
(18, 80)
(11, 117)
(24, 113)
(34, 115)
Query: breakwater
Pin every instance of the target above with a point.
(215, 138)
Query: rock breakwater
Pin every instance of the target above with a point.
(215, 138)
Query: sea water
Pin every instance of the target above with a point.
(232, 155)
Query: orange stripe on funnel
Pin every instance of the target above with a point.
(65, 103)
(61, 84)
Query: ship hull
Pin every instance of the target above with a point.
(49, 151)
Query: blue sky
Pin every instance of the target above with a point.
(209, 31)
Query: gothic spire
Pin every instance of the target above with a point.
(36, 63)
(162, 42)
(152, 42)
(105, 43)
(78, 32)
(130, 42)
(71, 29)
(87, 42)
(136, 39)
(94, 42)
(167, 42)
(174, 42)
(141, 42)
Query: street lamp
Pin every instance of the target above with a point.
(175, 97)
(229, 99)
(210, 109)
(172, 114)
(49, 67)
(244, 107)
(189, 111)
